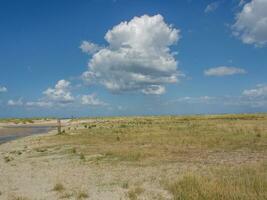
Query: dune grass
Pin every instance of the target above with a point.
(58, 187)
(231, 147)
(166, 138)
(246, 183)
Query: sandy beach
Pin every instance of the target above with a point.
(139, 158)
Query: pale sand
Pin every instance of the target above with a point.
(32, 175)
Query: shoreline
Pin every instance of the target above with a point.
(34, 123)
(10, 134)
(10, 131)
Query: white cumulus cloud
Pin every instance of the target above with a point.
(60, 93)
(251, 98)
(251, 23)
(89, 47)
(138, 57)
(241, 2)
(211, 7)
(154, 89)
(224, 71)
(254, 98)
(59, 96)
(196, 100)
(3, 89)
(12, 102)
(92, 100)
(39, 104)
(259, 91)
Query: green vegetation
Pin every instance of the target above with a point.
(157, 139)
(82, 157)
(125, 185)
(79, 195)
(8, 158)
(134, 193)
(73, 150)
(58, 187)
(82, 195)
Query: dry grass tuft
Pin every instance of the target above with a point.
(82, 195)
(135, 192)
(58, 187)
(19, 198)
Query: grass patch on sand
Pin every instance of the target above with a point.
(78, 195)
(82, 195)
(135, 192)
(168, 138)
(58, 187)
(246, 183)
(220, 148)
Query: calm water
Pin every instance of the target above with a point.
(12, 133)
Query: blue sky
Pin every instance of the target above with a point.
(142, 57)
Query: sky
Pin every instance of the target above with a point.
(132, 57)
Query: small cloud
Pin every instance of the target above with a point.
(88, 77)
(18, 102)
(224, 71)
(89, 47)
(60, 93)
(212, 7)
(254, 98)
(251, 23)
(197, 100)
(120, 107)
(154, 89)
(39, 104)
(92, 100)
(3, 89)
(260, 91)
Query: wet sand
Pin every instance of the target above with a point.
(12, 133)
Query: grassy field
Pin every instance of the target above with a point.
(192, 157)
